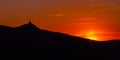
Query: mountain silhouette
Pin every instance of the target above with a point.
(44, 41)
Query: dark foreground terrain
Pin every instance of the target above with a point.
(54, 43)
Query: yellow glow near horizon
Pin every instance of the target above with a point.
(92, 35)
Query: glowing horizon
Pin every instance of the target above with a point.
(66, 16)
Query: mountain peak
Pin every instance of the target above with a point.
(29, 26)
(30, 23)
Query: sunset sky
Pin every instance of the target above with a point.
(93, 19)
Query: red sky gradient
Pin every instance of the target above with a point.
(93, 19)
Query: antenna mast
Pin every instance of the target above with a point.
(30, 19)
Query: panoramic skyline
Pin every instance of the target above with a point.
(93, 19)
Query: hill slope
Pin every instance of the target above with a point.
(29, 36)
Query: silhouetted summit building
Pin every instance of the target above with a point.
(28, 26)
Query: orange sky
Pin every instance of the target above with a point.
(74, 17)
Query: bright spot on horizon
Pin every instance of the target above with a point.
(92, 35)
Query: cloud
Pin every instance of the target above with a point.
(59, 15)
